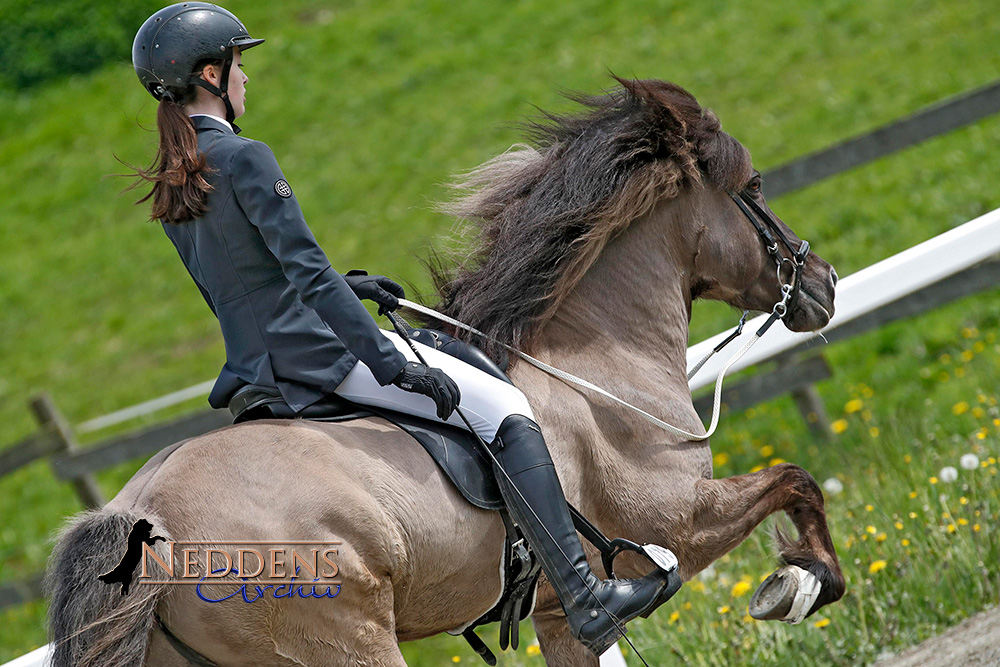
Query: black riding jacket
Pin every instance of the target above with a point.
(288, 319)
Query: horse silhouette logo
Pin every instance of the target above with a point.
(139, 535)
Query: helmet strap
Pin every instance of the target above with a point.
(222, 92)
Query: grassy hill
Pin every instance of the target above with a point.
(371, 108)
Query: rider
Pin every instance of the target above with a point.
(294, 325)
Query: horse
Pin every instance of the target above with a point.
(594, 242)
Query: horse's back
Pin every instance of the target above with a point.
(402, 529)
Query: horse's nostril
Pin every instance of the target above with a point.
(833, 276)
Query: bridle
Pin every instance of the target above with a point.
(767, 232)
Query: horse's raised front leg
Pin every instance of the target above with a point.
(727, 510)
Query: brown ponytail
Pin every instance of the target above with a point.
(178, 170)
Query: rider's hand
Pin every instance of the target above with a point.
(383, 291)
(432, 382)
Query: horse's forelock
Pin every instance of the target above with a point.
(546, 213)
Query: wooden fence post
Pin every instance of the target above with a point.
(49, 417)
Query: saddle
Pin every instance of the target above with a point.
(459, 455)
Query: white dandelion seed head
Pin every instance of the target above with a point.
(969, 461)
(833, 486)
(948, 474)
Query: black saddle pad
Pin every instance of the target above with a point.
(457, 452)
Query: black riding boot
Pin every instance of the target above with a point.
(521, 451)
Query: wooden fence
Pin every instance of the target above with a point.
(794, 371)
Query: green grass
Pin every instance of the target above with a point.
(370, 110)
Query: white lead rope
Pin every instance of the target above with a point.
(572, 379)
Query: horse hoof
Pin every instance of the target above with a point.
(772, 601)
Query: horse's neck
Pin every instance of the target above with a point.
(624, 326)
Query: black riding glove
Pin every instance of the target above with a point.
(433, 382)
(383, 291)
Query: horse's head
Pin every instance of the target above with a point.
(747, 257)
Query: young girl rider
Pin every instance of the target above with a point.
(296, 327)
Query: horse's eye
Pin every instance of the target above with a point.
(754, 185)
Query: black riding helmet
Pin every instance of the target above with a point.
(172, 42)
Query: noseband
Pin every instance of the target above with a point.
(767, 232)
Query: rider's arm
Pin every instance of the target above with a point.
(265, 197)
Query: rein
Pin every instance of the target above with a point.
(789, 297)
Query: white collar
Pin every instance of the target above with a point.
(221, 120)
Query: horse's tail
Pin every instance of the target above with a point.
(90, 622)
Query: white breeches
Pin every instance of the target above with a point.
(486, 400)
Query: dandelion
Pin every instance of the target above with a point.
(881, 537)
(975, 527)
(673, 617)
(978, 412)
(869, 508)
(967, 355)
(456, 658)
(774, 462)
(898, 525)
(833, 486)
(948, 474)
(960, 408)
(913, 515)
(969, 462)
(725, 609)
(981, 434)
(756, 468)
(533, 650)
(721, 459)
(766, 451)
(853, 406)
(913, 494)
(839, 426)
(963, 522)
(963, 501)
(933, 480)
(871, 530)
(877, 566)
(821, 623)
(907, 459)
(951, 528)
(905, 543)
(873, 431)
(740, 588)
(687, 606)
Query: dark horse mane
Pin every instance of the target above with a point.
(545, 213)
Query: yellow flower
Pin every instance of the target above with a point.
(933, 480)
(455, 658)
(905, 543)
(853, 405)
(534, 650)
(687, 606)
(839, 426)
(951, 528)
(766, 450)
(871, 530)
(981, 434)
(697, 586)
(725, 609)
(913, 494)
(757, 468)
(963, 501)
(822, 623)
(740, 588)
(978, 412)
(960, 408)
(975, 527)
(899, 525)
(673, 617)
(967, 355)
(881, 537)
(876, 566)
(774, 462)
(873, 431)
(721, 459)
(907, 459)
(963, 522)
(913, 515)
(869, 508)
